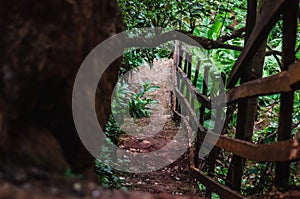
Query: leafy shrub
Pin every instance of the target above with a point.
(139, 104)
(136, 104)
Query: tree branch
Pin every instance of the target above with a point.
(235, 34)
(209, 44)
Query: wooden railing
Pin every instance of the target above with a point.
(186, 95)
(282, 151)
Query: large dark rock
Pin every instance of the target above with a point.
(43, 43)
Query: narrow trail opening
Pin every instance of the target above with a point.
(161, 129)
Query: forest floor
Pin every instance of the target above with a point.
(156, 132)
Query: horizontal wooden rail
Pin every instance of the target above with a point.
(283, 151)
(214, 186)
(282, 82)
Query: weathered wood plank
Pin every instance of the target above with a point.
(186, 63)
(224, 191)
(217, 128)
(189, 70)
(250, 71)
(282, 82)
(204, 92)
(288, 150)
(290, 13)
(197, 73)
(283, 151)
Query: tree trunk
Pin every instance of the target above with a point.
(43, 44)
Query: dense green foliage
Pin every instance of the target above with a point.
(210, 19)
(205, 18)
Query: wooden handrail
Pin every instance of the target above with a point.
(282, 82)
(285, 81)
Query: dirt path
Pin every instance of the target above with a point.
(155, 133)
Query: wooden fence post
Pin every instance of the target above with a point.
(195, 81)
(201, 117)
(189, 75)
(178, 63)
(214, 152)
(247, 107)
(196, 73)
(290, 12)
(186, 63)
